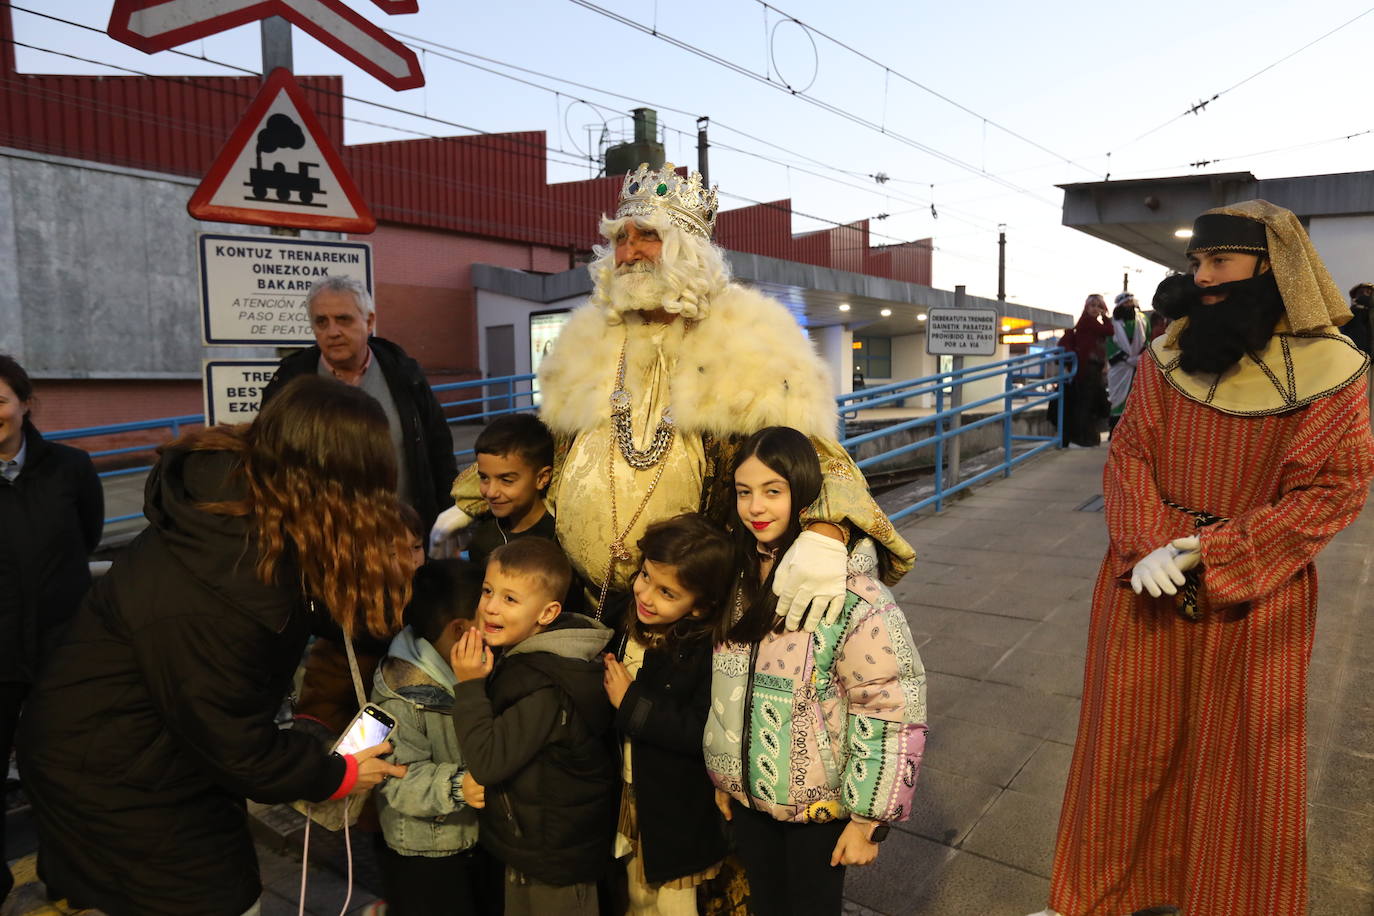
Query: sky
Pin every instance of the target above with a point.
(973, 111)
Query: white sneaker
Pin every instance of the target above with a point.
(1046, 912)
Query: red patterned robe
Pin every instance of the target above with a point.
(1189, 777)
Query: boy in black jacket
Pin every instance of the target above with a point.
(537, 737)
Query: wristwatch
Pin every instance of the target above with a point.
(878, 833)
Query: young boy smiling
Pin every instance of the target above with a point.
(514, 466)
(534, 733)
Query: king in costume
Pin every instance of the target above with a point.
(1188, 781)
(656, 381)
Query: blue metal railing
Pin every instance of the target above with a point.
(1028, 382)
(1033, 380)
(174, 424)
(506, 394)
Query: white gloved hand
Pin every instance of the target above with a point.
(811, 575)
(1161, 571)
(450, 522)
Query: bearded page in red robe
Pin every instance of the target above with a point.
(1189, 780)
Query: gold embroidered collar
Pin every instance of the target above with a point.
(1292, 371)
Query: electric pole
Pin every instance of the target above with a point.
(702, 145)
(1002, 262)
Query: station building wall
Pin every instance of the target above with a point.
(99, 295)
(1346, 245)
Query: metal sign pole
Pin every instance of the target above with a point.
(276, 44)
(956, 399)
(276, 52)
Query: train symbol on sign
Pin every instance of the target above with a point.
(281, 132)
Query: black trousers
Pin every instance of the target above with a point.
(11, 701)
(466, 883)
(788, 865)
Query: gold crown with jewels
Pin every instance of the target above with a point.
(686, 203)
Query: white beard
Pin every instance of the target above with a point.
(638, 289)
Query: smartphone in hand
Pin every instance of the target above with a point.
(370, 727)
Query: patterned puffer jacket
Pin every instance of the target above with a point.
(814, 727)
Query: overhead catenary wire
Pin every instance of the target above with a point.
(544, 148)
(1199, 106)
(814, 101)
(657, 106)
(535, 150)
(889, 71)
(574, 155)
(411, 172)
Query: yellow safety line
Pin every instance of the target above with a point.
(27, 885)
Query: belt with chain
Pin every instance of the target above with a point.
(1192, 579)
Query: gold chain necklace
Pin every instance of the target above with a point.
(638, 459)
(619, 552)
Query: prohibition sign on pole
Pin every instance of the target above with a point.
(961, 331)
(156, 25)
(301, 183)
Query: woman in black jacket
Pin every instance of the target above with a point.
(51, 513)
(155, 716)
(661, 688)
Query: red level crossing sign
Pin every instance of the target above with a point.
(279, 169)
(156, 25)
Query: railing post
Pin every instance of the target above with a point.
(1062, 369)
(939, 447)
(1009, 388)
(956, 400)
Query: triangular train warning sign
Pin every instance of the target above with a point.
(279, 169)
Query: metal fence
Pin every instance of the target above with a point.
(173, 424)
(505, 394)
(1031, 381)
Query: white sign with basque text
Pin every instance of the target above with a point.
(961, 332)
(252, 287)
(233, 388)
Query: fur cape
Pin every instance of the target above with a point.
(747, 365)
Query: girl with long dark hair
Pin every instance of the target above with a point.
(659, 680)
(814, 739)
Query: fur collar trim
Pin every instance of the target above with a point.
(747, 366)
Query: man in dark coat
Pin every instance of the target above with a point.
(342, 317)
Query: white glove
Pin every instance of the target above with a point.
(450, 522)
(1162, 569)
(811, 575)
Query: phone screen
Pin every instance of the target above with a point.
(368, 728)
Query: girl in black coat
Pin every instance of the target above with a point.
(52, 511)
(661, 688)
(154, 718)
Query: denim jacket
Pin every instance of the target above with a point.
(422, 814)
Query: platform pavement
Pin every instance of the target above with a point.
(998, 603)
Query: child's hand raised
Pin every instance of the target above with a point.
(469, 657)
(617, 680)
(474, 793)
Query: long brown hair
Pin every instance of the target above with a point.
(791, 455)
(321, 479)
